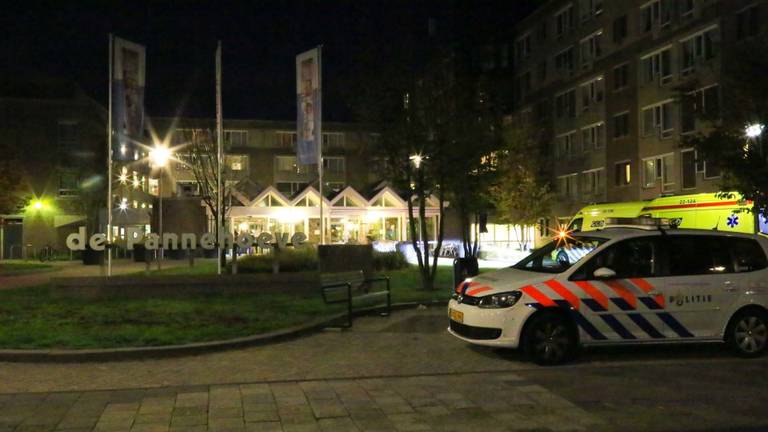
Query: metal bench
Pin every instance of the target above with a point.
(354, 289)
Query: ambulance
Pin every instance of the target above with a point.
(635, 282)
(698, 211)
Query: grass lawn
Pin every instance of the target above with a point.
(31, 319)
(404, 283)
(14, 267)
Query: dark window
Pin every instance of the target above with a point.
(689, 169)
(576, 224)
(620, 76)
(711, 169)
(541, 32)
(629, 259)
(620, 28)
(621, 125)
(688, 113)
(748, 254)
(623, 173)
(711, 100)
(697, 255)
(68, 183)
(565, 104)
(747, 23)
(564, 61)
(686, 8)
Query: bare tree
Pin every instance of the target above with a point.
(202, 158)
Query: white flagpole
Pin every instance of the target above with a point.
(219, 157)
(320, 137)
(109, 162)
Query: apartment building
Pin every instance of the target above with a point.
(273, 193)
(620, 84)
(58, 134)
(264, 152)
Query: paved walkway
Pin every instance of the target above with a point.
(401, 373)
(76, 268)
(462, 402)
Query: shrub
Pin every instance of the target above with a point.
(389, 260)
(290, 260)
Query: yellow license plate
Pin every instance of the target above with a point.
(455, 315)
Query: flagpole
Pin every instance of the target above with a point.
(219, 158)
(109, 161)
(320, 137)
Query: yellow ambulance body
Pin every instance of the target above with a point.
(697, 211)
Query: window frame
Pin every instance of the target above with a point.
(228, 137)
(660, 172)
(615, 117)
(624, 167)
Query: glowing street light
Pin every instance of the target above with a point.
(417, 159)
(37, 205)
(160, 155)
(753, 130)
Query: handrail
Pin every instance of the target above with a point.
(348, 300)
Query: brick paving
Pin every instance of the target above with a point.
(456, 402)
(401, 373)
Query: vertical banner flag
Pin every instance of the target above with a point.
(128, 98)
(308, 106)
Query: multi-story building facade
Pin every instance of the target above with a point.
(273, 193)
(619, 85)
(58, 136)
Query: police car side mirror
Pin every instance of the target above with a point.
(604, 273)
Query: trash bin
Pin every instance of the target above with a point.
(92, 257)
(464, 268)
(139, 253)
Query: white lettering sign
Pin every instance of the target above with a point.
(134, 236)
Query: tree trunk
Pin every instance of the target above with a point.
(412, 228)
(425, 270)
(441, 199)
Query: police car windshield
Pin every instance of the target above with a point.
(560, 254)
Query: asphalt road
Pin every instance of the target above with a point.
(398, 373)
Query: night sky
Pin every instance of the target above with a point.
(260, 38)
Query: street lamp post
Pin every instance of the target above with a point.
(159, 155)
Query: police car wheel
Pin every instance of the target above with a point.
(748, 333)
(550, 339)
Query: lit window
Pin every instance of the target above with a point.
(658, 169)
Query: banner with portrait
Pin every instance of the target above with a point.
(308, 106)
(128, 77)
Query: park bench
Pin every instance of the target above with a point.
(353, 289)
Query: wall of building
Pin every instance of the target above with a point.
(628, 33)
(60, 136)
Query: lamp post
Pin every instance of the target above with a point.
(159, 156)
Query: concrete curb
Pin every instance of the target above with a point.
(165, 351)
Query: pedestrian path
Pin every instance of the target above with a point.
(457, 402)
(76, 268)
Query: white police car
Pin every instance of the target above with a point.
(636, 284)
